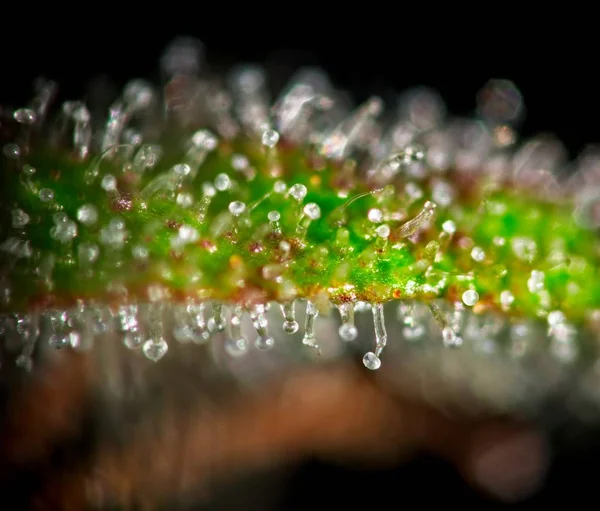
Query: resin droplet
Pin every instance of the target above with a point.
(236, 345)
(155, 350)
(371, 361)
(290, 325)
(347, 330)
(412, 226)
(259, 319)
(470, 297)
(309, 338)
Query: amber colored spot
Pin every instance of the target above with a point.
(397, 293)
(235, 262)
(315, 180)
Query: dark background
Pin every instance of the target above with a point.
(554, 69)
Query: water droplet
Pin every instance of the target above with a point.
(155, 350)
(371, 361)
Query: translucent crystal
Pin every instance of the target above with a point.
(309, 338)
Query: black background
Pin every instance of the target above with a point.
(552, 64)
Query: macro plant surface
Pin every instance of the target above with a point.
(185, 210)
